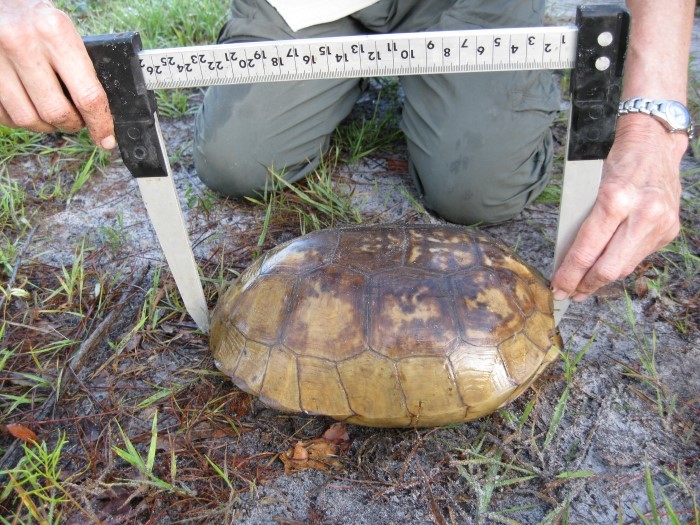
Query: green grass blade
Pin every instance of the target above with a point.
(130, 455)
(556, 417)
(576, 474)
(672, 516)
(642, 517)
(219, 472)
(526, 413)
(152, 449)
(649, 485)
(154, 398)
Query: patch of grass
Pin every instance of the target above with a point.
(23, 390)
(175, 103)
(83, 174)
(5, 353)
(162, 23)
(417, 206)
(162, 303)
(26, 389)
(327, 203)
(316, 202)
(552, 191)
(73, 160)
(80, 158)
(679, 480)
(222, 276)
(661, 509)
(659, 283)
(52, 189)
(146, 319)
(647, 373)
(550, 195)
(8, 256)
(32, 385)
(116, 237)
(360, 137)
(39, 486)
(682, 255)
(486, 473)
(145, 465)
(204, 201)
(150, 313)
(72, 281)
(18, 143)
(171, 305)
(13, 216)
(671, 273)
(160, 394)
(222, 474)
(570, 362)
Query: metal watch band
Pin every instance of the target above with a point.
(648, 107)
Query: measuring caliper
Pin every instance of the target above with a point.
(594, 48)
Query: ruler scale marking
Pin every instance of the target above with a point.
(512, 49)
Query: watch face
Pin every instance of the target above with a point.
(678, 116)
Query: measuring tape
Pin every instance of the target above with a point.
(361, 56)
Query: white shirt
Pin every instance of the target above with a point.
(304, 13)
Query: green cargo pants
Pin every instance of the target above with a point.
(480, 144)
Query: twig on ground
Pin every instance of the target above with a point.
(415, 447)
(432, 502)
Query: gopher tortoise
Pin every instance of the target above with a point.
(388, 326)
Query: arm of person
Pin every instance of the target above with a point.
(40, 52)
(637, 209)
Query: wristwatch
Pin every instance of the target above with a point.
(673, 115)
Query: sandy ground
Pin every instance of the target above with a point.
(610, 430)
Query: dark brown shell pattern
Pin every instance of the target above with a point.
(388, 326)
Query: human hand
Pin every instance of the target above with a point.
(40, 49)
(636, 211)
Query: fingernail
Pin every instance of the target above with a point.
(109, 142)
(560, 295)
(579, 297)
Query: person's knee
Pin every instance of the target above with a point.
(245, 132)
(473, 212)
(237, 155)
(483, 188)
(234, 169)
(472, 206)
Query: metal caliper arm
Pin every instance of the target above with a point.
(143, 151)
(596, 86)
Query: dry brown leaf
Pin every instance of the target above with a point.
(240, 405)
(318, 453)
(641, 286)
(610, 291)
(23, 433)
(300, 453)
(337, 434)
